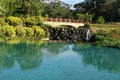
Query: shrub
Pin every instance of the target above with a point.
(20, 32)
(33, 21)
(2, 22)
(99, 37)
(40, 20)
(38, 31)
(7, 31)
(14, 21)
(2, 30)
(100, 20)
(87, 26)
(29, 32)
(30, 21)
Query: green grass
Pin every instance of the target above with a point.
(107, 26)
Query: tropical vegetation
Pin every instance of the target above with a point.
(25, 18)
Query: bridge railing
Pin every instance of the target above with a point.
(63, 20)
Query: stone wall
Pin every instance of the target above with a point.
(70, 34)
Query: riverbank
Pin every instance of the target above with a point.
(107, 34)
(100, 34)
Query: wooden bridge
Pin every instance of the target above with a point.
(55, 22)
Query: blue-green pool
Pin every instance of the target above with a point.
(58, 61)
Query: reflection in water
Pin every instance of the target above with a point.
(53, 49)
(102, 58)
(30, 55)
(6, 58)
(27, 56)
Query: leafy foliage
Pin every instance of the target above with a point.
(38, 31)
(29, 32)
(7, 31)
(31, 21)
(57, 9)
(80, 16)
(100, 20)
(2, 22)
(109, 9)
(88, 17)
(20, 32)
(107, 39)
(14, 21)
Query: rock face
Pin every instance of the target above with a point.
(70, 34)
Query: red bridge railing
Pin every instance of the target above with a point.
(63, 20)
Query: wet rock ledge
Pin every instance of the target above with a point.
(71, 34)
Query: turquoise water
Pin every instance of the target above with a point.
(58, 61)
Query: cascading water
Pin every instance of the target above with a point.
(88, 34)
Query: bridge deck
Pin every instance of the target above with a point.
(63, 20)
(55, 22)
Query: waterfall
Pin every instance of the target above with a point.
(70, 34)
(88, 34)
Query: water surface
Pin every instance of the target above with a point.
(58, 61)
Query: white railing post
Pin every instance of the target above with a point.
(77, 21)
(55, 19)
(50, 19)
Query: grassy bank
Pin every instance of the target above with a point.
(32, 29)
(107, 34)
(16, 40)
(107, 26)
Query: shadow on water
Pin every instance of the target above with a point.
(30, 55)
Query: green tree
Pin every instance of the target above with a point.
(57, 9)
(80, 16)
(8, 6)
(2, 10)
(29, 7)
(109, 9)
